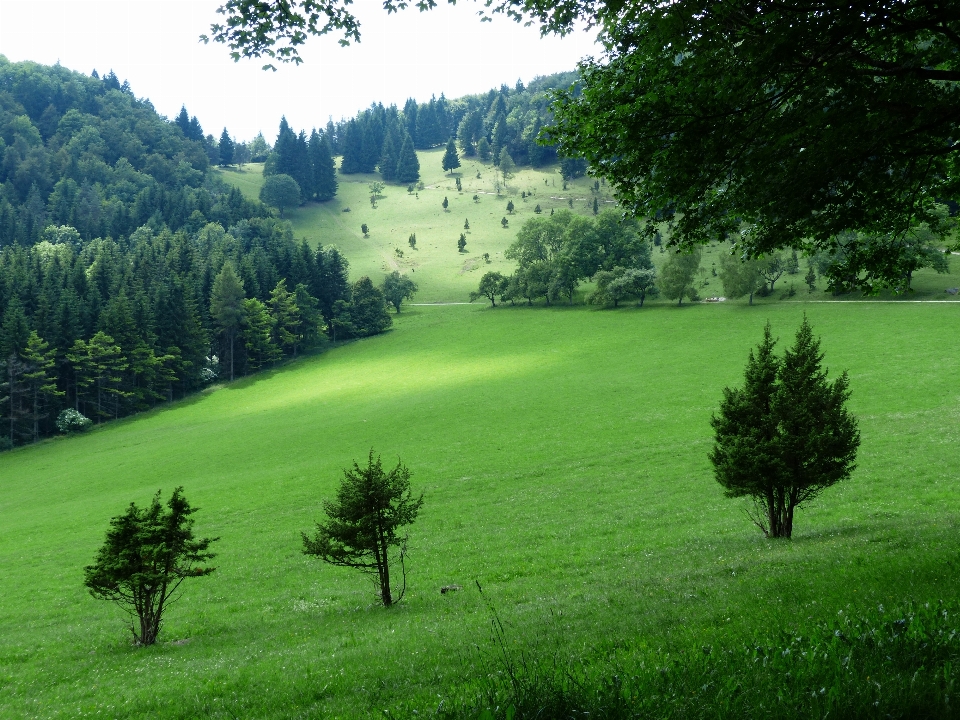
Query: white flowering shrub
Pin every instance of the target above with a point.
(71, 420)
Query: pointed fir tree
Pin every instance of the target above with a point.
(324, 169)
(451, 161)
(226, 148)
(408, 166)
(226, 309)
(388, 159)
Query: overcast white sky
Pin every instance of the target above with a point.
(154, 44)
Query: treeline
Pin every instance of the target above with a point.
(383, 138)
(308, 161)
(110, 327)
(82, 151)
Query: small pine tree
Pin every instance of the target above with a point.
(466, 224)
(365, 230)
(596, 206)
(510, 207)
(451, 161)
(786, 435)
(412, 241)
(462, 243)
(538, 209)
(371, 506)
(445, 203)
(504, 223)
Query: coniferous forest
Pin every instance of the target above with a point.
(129, 273)
(382, 139)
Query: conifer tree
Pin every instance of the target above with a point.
(408, 166)
(324, 169)
(286, 318)
(226, 308)
(257, 335)
(226, 148)
(786, 435)
(388, 159)
(451, 161)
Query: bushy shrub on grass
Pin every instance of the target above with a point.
(71, 421)
(898, 662)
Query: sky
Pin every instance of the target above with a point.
(154, 44)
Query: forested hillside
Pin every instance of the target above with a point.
(484, 125)
(129, 272)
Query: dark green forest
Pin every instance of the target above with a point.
(381, 139)
(129, 273)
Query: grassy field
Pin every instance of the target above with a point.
(445, 275)
(562, 453)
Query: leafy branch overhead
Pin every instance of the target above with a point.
(773, 124)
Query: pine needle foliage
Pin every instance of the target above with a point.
(148, 553)
(363, 522)
(786, 435)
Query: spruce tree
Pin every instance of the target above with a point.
(408, 166)
(226, 308)
(226, 149)
(324, 169)
(451, 161)
(388, 159)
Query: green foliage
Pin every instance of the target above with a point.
(71, 421)
(363, 523)
(556, 253)
(396, 288)
(367, 310)
(148, 553)
(510, 207)
(451, 161)
(619, 283)
(492, 284)
(280, 191)
(226, 308)
(842, 147)
(677, 275)
(462, 243)
(786, 435)
(226, 148)
(445, 203)
(408, 166)
(257, 332)
(739, 276)
(412, 241)
(365, 230)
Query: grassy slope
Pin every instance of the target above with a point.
(442, 273)
(563, 457)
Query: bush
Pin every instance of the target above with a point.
(71, 421)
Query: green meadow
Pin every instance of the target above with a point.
(445, 275)
(562, 455)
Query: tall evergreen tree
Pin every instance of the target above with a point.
(226, 309)
(388, 159)
(227, 149)
(408, 166)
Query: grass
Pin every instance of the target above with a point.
(562, 453)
